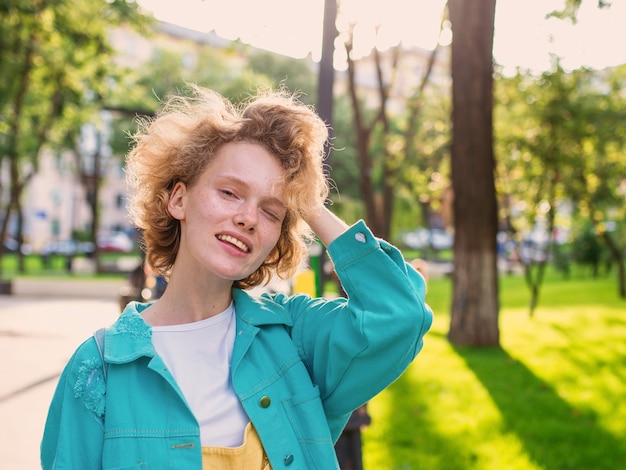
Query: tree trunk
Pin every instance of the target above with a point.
(618, 257)
(21, 262)
(11, 149)
(325, 94)
(4, 226)
(93, 198)
(362, 140)
(474, 316)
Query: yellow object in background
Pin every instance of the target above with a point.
(304, 283)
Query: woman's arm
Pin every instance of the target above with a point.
(326, 225)
(73, 436)
(357, 346)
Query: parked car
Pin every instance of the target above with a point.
(11, 246)
(66, 248)
(424, 238)
(117, 242)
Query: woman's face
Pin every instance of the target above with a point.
(231, 217)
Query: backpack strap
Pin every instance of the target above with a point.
(99, 337)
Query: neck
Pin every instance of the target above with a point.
(188, 301)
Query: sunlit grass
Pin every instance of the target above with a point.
(55, 266)
(553, 397)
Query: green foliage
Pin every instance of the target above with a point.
(293, 74)
(343, 163)
(561, 131)
(348, 209)
(550, 398)
(54, 76)
(170, 70)
(407, 214)
(81, 235)
(426, 166)
(587, 248)
(54, 68)
(571, 7)
(560, 146)
(234, 72)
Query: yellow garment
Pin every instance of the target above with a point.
(304, 283)
(249, 455)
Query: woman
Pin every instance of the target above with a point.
(209, 376)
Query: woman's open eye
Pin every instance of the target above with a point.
(227, 193)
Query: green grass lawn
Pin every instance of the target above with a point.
(553, 397)
(56, 266)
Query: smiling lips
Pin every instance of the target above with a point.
(233, 241)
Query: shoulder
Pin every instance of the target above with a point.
(260, 310)
(84, 376)
(269, 309)
(86, 351)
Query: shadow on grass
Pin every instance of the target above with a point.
(596, 359)
(406, 431)
(424, 447)
(475, 409)
(555, 435)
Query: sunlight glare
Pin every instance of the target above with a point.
(287, 27)
(523, 37)
(410, 22)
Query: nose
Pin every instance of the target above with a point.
(246, 217)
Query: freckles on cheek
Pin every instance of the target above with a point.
(210, 207)
(269, 244)
(272, 246)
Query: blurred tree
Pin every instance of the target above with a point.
(604, 197)
(426, 168)
(566, 144)
(571, 7)
(587, 249)
(384, 141)
(296, 75)
(474, 316)
(231, 72)
(544, 139)
(54, 70)
(375, 183)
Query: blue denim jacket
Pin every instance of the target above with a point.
(300, 366)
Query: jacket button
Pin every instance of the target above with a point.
(360, 237)
(288, 459)
(265, 401)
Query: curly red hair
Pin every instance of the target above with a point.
(178, 144)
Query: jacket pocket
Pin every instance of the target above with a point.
(308, 420)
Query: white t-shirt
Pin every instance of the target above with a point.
(199, 355)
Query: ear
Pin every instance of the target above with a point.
(176, 204)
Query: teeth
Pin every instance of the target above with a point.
(238, 243)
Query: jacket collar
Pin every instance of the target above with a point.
(262, 310)
(130, 337)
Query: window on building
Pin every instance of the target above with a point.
(55, 227)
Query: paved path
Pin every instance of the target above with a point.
(68, 287)
(37, 336)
